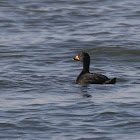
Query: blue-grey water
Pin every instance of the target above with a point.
(38, 95)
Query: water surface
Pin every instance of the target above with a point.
(38, 95)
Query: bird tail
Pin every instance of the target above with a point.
(111, 81)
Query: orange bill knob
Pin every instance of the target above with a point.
(76, 58)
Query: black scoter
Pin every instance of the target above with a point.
(86, 77)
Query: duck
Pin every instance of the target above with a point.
(85, 77)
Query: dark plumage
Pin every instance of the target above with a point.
(86, 77)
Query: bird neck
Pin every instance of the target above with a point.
(85, 67)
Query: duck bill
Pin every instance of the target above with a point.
(76, 58)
